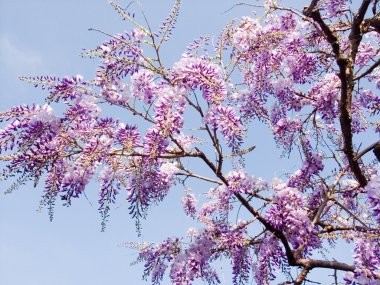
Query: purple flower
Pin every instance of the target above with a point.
(289, 215)
(143, 86)
(373, 192)
(169, 109)
(154, 143)
(225, 120)
(189, 203)
(366, 259)
(193, 72)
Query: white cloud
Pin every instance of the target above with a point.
(18, 60)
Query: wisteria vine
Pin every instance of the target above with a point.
(311, 76)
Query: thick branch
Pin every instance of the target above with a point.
(313, 263)
(307, 10)
(346, 70)
(302, 276)
(329, 229)
(330, 36)
(356, 34)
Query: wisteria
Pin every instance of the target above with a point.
(289, 215)
(192, 72)
(141, 128)
(367, 260)
(373, 193)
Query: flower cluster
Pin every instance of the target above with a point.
(169, 109)
(228, 123)
(312, 165)
(186, 264)
(189, 203)
(193, 72)
(110, 187)
(220, 198)
(286, 130)
(369, 100)
(149, 182)
(373, 192)
(143, 86)
(232, 240)
(120, 56)
(127, 136)
(270, 255)
(156, 258)
(154, 143)
(289, 215)
(367, 262)
(325, 96)
(194, 262)
(240, 182)
(115, 93)
(334, 8)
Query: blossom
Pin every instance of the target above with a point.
(115, 93)
(194, 262)
(143, 86)
(154, 143)
(334, 7)
(269, 254)
(278, 70)
(326, 95)
(289, 215)
(169, 109)
(373, 193)
(149, 181)
(76, 177)
(366, 259)
(127, 136)
(44, 115)
(193, 72)
(229, 124)
(189, 203)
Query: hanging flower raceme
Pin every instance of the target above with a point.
(240, 182)
(228, 123)
(157, 257)
(312, 165)
(326, 95)
(184, 263)
(189, 203)
(194, 262)
(289, 215)
(193, 72)
(116, 93)
(373, 192)
(367, 262)
(169, 109)
(34, 130)
(154, 143)
(149, 182)
(127, 136)
(269, 256)
(121, 55)
(143, 86)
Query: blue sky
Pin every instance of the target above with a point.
(46, 37)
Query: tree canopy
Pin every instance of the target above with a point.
(310, 76)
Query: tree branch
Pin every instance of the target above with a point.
(307, 10)
(368, 71)
(346, 67)
(313, 263)
(302, 276)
